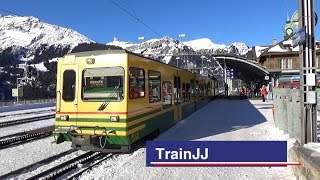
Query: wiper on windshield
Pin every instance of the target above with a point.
(112, 95)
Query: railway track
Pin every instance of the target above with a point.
(26, 120)
(20, 138)
(87, 161)
(14, 174)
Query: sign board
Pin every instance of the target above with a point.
(299, 38)
(16, 92)
(231, 73)
(221, 73)
(266, 78)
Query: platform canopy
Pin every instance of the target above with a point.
(244, 69)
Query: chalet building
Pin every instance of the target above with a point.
(282, 60)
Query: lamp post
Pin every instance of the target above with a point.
(181, 36)
(202, 57)
(177, 58)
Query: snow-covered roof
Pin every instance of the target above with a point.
(259, 50)
(285, 46)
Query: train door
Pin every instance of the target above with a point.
(68, 91)
(177, 98)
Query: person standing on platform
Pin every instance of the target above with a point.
(264, 93)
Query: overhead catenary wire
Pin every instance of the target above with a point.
(10, 12)
(136, 18)
(140, 21)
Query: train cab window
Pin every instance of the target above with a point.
(69, 85)
(103, 84)
(154, 80)
(166, 94)
(136, 83)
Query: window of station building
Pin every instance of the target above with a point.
(186, 92)
(177, 90)
(285, 63)
(166, 94)
(103, 84)
(69, 85)
(154, 79)
(136, 83)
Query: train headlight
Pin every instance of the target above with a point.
(64, 118)
(114, 118)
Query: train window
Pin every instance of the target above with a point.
(177, 90)
(154, 79)
(136, 83)
(201, 89)
(186, 91)
(166, 94)
(69, 85)
(193, 88)
(103, 84)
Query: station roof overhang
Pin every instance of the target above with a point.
(246, 70)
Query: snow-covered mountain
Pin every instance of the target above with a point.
(29, 34)
(169, 46)
(204, 43)
(166, 49)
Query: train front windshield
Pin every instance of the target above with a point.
(103, 84)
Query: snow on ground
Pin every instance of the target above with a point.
(25, 106)
(17, 117)
(315, 147)
(27, 111)
(219, 120)
(17, 157)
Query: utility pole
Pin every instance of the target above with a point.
(307, 58)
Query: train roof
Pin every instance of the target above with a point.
(119, 51)
(97, 52)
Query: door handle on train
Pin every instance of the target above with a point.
(58, 100)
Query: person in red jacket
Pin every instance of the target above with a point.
(264, 93)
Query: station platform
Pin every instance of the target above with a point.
(221, 119)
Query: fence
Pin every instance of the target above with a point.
(287, 111)
(36, 101)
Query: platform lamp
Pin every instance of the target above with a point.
(181, 36)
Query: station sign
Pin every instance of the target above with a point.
(230, 74)
(221, 73)
(299, 38)
(266, 78)
(17, 92)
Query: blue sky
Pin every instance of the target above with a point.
(254, 22)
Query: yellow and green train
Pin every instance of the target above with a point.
(109, 99)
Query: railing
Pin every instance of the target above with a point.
(36, 101)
